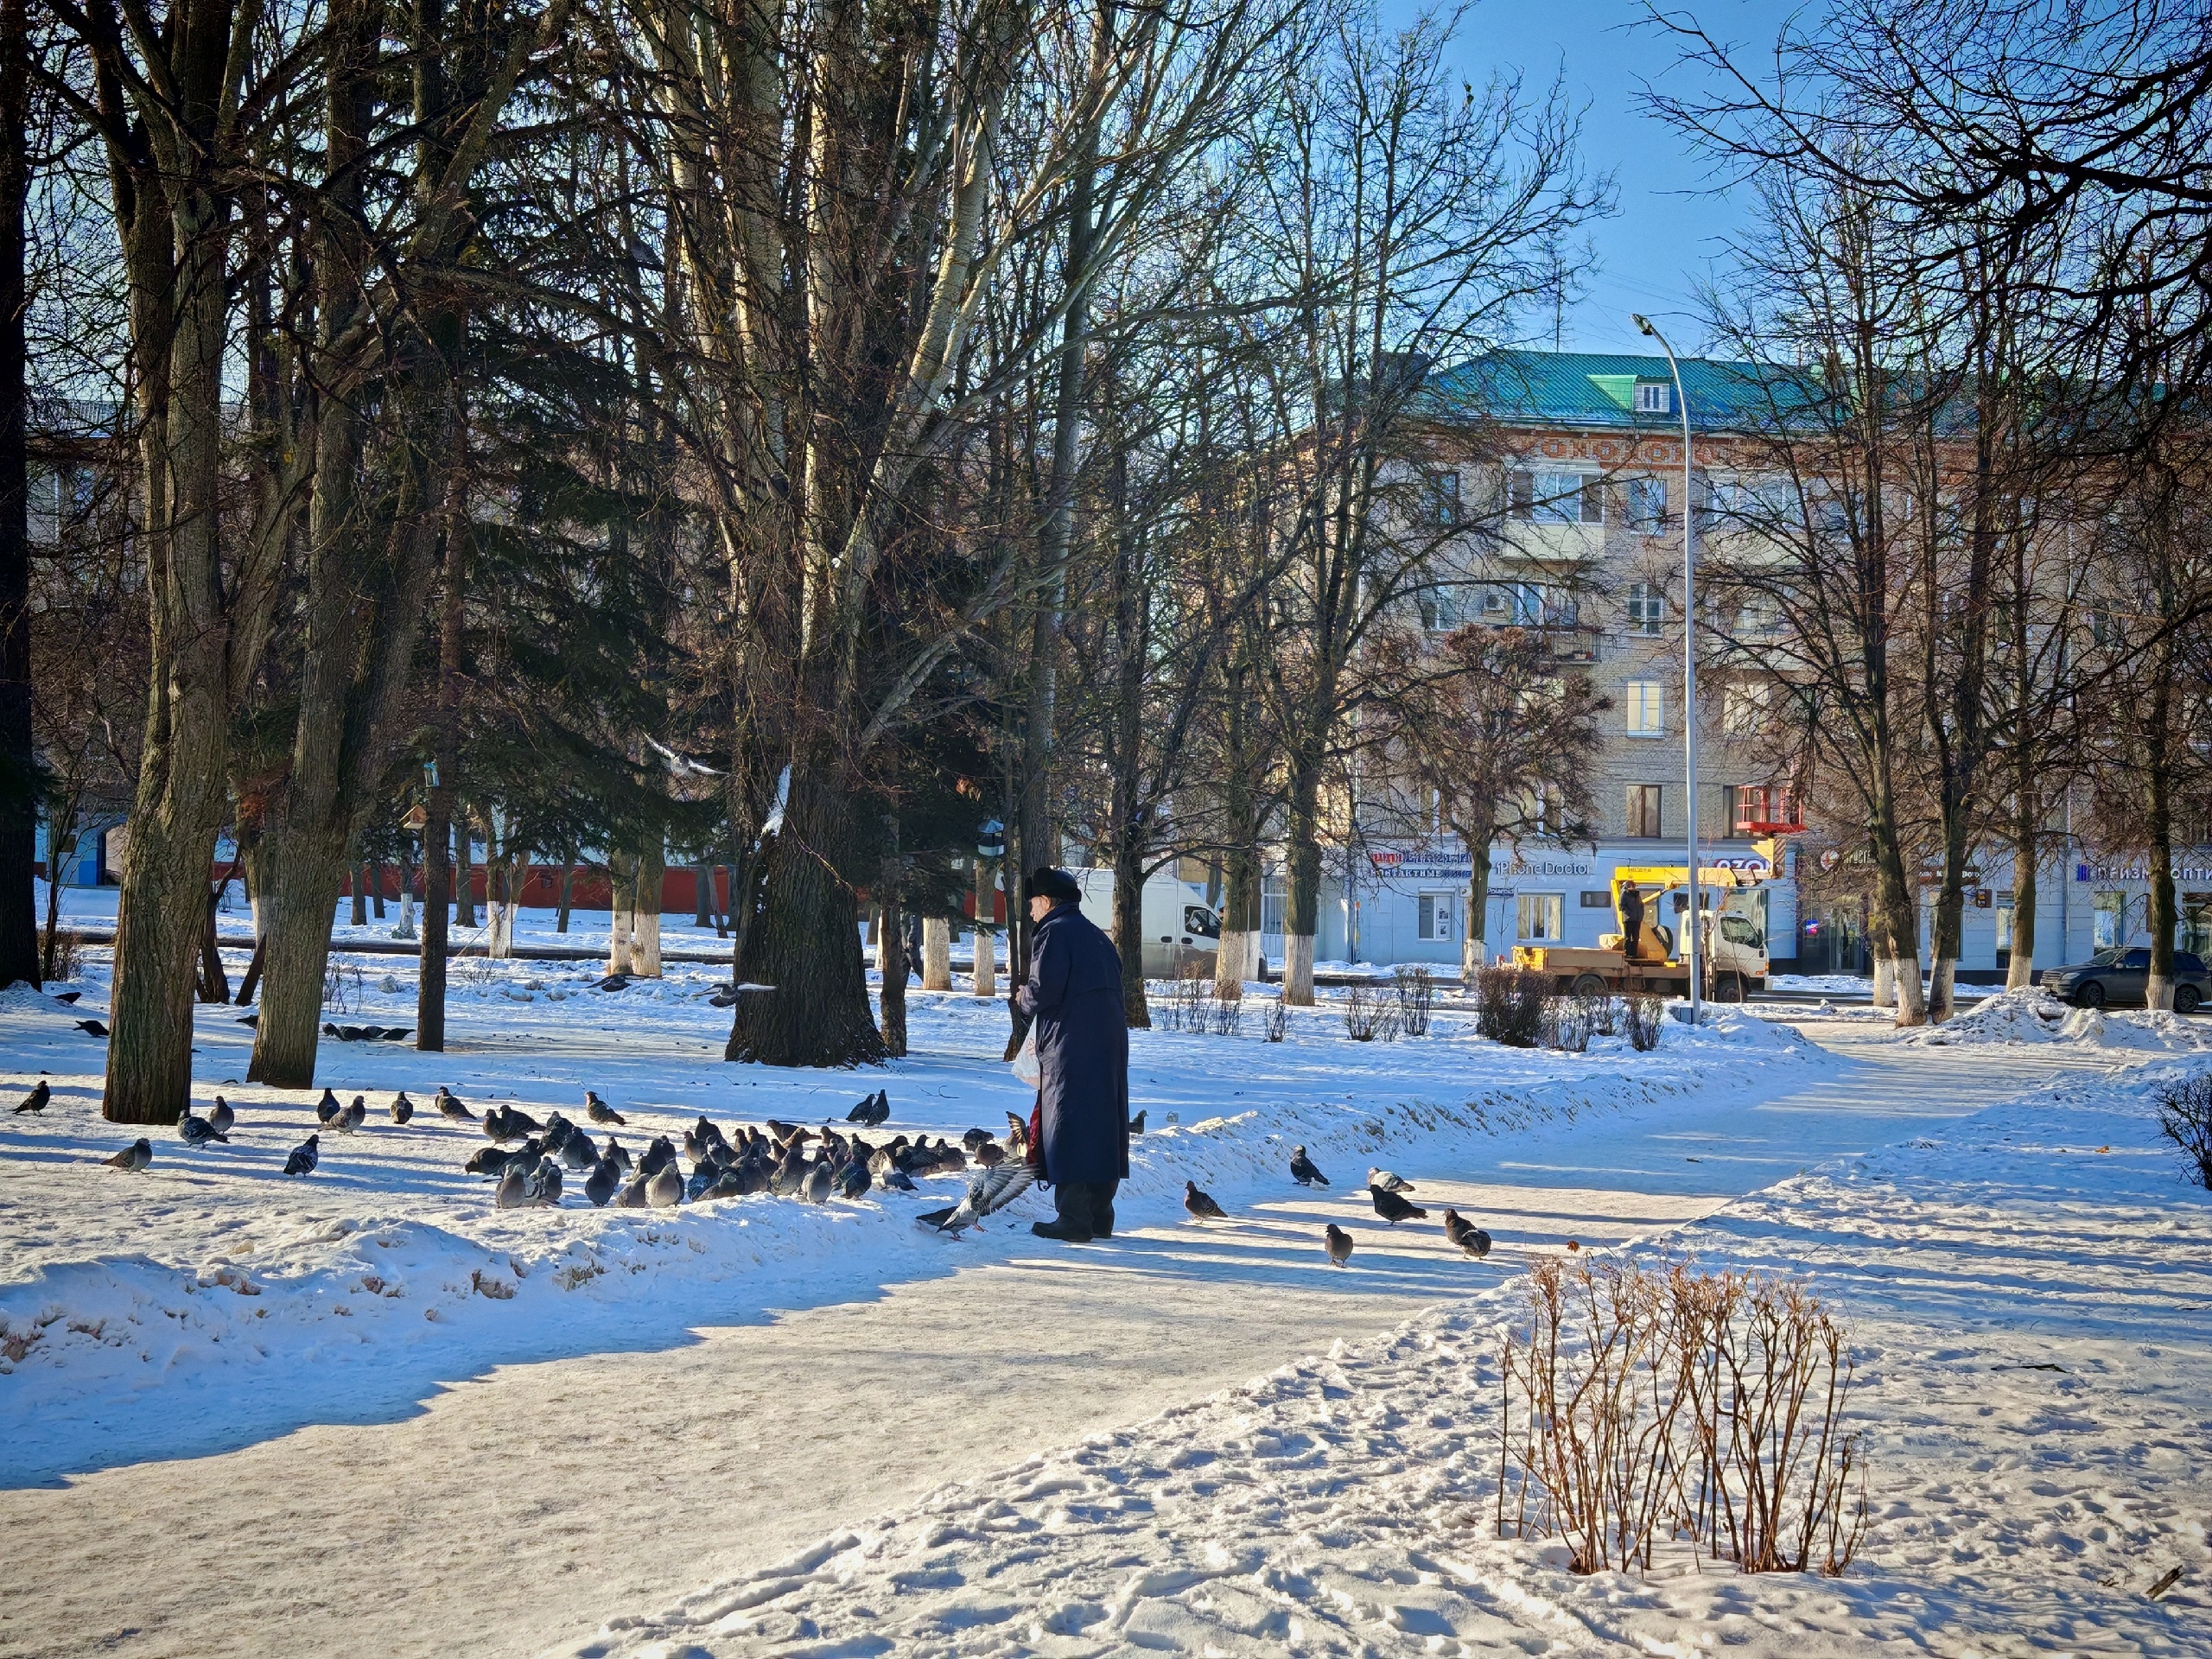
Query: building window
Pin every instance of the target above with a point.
(1597, 899)
(1443, 499)
(1647, 608)
(1745, 709)
(1643, 811)
(1540, 917)
(1644, 706)
(1442, 609)
(1435, 912)
(1655, 397)
(1755, 809)
(2109, 907)
(1646, 504)
(2195, 935)
(1557, 498)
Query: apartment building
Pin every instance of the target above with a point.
(1566, 478)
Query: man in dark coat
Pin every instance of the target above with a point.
(1074, 993)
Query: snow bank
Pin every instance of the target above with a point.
(2034, 1015)
(2025, 1296)
(256, 1302)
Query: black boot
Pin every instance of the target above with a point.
(1102, 1210)
(1073, 1226)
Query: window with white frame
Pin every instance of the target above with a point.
(1647, 607)
(1433, 915)
(1556, 498)
(1655, 397)
(1646, 504)
(1643, 820)
(1644, 707)
(1539, 917)
(1745, 708)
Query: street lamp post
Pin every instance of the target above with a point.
(1692, 926)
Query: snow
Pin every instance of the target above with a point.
(1341, 1504)
(753, 1382)
(2033, 1016)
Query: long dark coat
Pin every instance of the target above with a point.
(1074, 993)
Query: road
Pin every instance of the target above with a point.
(524, 1506)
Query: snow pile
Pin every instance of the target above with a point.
(2034, 1373)
(2031, 1015)
(214, 1278)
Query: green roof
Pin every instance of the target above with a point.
(1595, 388)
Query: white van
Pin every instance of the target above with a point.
(1181, 931)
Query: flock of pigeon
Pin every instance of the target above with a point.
(1386, 1190)
(774, 1158)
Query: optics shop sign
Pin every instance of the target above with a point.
(2139, 872)
(1420, 864)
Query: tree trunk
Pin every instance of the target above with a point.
(567, 893)
(937, 953)
(464, 885)
(406, 928)
(645, 946)
(1303, 861)
(214, 984)
(438, 806)
(374, 871)
(1240, 919)
(60, 846)
(2020, 969)
(802, 939)
(890, 946)
(986, 942)
(2164, 912)
(357, 880)
(19, 952)
(1129, 933)
(1950, 912)
(1901, 930)
(252, 981)
(703, 896)
(305, 869)
(621, 908)
(1474, 931)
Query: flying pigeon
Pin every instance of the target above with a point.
(1392, 1208)
(41, 1091)
(222, 1116)
(1463, 1233)
(1339, 1245)
(1201, 1205)
(91, 1028)
(397, 1033)
(327, 1109)
(1302, 1169)
(1387, 1181)
(137, 1156)
(304, 1157)
(988, 1191)
(599, 1112)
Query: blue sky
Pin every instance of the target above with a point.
(1666, 233)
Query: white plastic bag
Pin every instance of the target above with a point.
(1026, 1064)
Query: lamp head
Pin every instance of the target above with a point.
(1643, 323)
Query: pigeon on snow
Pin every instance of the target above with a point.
(1387, 1181)
(1339, 1243)
(222, 1116)
(304, 1157)
(137, 1156)
(1303, 1170)
(327, 1109)
(665, 1189)
(1463, 1233)
(402, 1108)
(599, 1112)
(1393, 1208)
(451, 1106)
(599, 1186)
(1201, 1205)
(197, 1131)
(41, 1091)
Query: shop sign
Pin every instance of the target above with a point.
(2138, 871)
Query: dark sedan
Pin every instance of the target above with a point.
(2121, 976)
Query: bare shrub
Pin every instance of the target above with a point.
(1278, 1023)
(1641, 1014)
(65, 955)
(1708, 1404)
(1566, 1025)
(1224, 1015)
(2185, 1119)
(1190, 1002)
(1604, 1012)
(1369, 1013)
(341, 986)
(1510, 1004)
(1416, 1000)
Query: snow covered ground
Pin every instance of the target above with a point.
(2028, 1293)
(667, 1400)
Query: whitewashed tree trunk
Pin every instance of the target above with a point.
(1298, 970)
(1911, 1002)
(987, 968)
(406, 928)
(1885, 984)
(645, 940)
(2158, 991)
(621, 902)
(937, 953)
(1943, 986)
(1232, 964)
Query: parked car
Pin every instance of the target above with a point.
(2121, 976)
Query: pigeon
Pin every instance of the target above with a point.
(397, 1033)
(352, 1117)
(327, 1109)
(618, 1155)
(1392, 1208)
(615, 982)
(665, 1190)
(513, 1190)
(1136, 1123)
(251, 1019)
(577, 1151)
(545, 1183)
(851, 1180)
(41, 1091)
(304, 1156)
(1463, 1233)
(988, 1191)
(974, 1138)
(898, 1180)
(67, 997)
(197, 1131)
(329, 1030)
(599, 1186)
(863, 1113)
(816, 1188)
(633, 1197)
(403, 1109)
(789, 1176)
(658, 1156)
(599, 1112)
(990, 1154)
(1339, 1245)
(1201, 1205)
(91, 1028)
(355, 1033)
(1387, 1181)
(451, 1106)
(222, 1116)
(137, 1156)
(1302, 1169)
